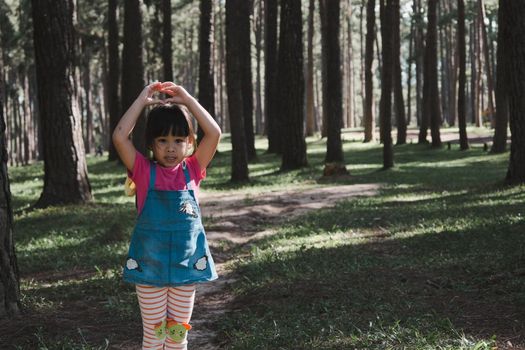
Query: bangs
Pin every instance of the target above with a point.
(165, 120)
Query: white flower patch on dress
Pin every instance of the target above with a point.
(187, 208)
(201, 264)
(132, 264)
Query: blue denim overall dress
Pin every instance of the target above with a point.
(168, 246)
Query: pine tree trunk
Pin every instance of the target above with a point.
(291, 81)
(485, 41)
(514, 14)
(65, 171)
(9, 277)
(462, 78)
(113, 75)
(399, 103)
(387, 36)
(206, 85)
(431, 111)
(271, 89)
(499, 144)
(310, 114)
(132, 67)
(246, 76)
(234, 86)
(332, 89)
(258, 31)
(167, 51)
(369, 83)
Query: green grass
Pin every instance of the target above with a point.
(434, 261)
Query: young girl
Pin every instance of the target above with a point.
(168, 253)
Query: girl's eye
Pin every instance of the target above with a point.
(161, 141)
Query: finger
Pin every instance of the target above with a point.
(168, 92)
(168, 84)
(156, 101)
(156, 86)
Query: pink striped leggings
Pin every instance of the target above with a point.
(157, 304)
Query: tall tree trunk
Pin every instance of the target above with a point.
(167, 51)
(499, 144)
(113, 75)
(9, 277)
(485, 41)
(132, 67)
(419, 54)
(234, 88)
(291, 80)
(397, 80)
(206, 85)
(409, 71)
(350, 95)
(514, 12)
(258, 32)
(246, 76)
(462, 79)
(65, 171)
(430, 89)
(271, 95)
(369, 82)
(310, 113)
(332, 89)
(387, 35)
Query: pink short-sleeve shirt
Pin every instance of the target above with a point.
(167, 179)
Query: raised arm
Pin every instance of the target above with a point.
(212, 131)
(123, 144)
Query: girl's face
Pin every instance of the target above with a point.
(170, 150)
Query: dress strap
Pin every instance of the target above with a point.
(186, 175)
(152, 175)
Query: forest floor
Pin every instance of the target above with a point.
(428, 255)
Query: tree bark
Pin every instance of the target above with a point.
(387, 36)
(206, 85)
(310, 113)
(271, 89)
(258, 32)
(291, 82)
(499, 144)
(485, 41)
(65, 171)
(234, 88)
(369, 83)
(113, 75)
(246, 76)
(332, 89)
(167, 51)
(431, 110)
(462, 78)
(133, 68)
(514, 12)
(399, 103)
(9, 277)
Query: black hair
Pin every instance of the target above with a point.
(163, 119)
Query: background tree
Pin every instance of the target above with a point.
(399, 103)
(368, 113)
(431, 109)
(206, 86)
(133, 67)
(291, 85)
(499, 143)
(332, 87)
(310, 111)
(65, 171)
(235, 93)
(271, 91)
(9, 280)
(462, 117)
(386, 8)
(167, 50)
(514, 12)
(113, 74)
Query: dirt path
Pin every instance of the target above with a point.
(237, 219)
